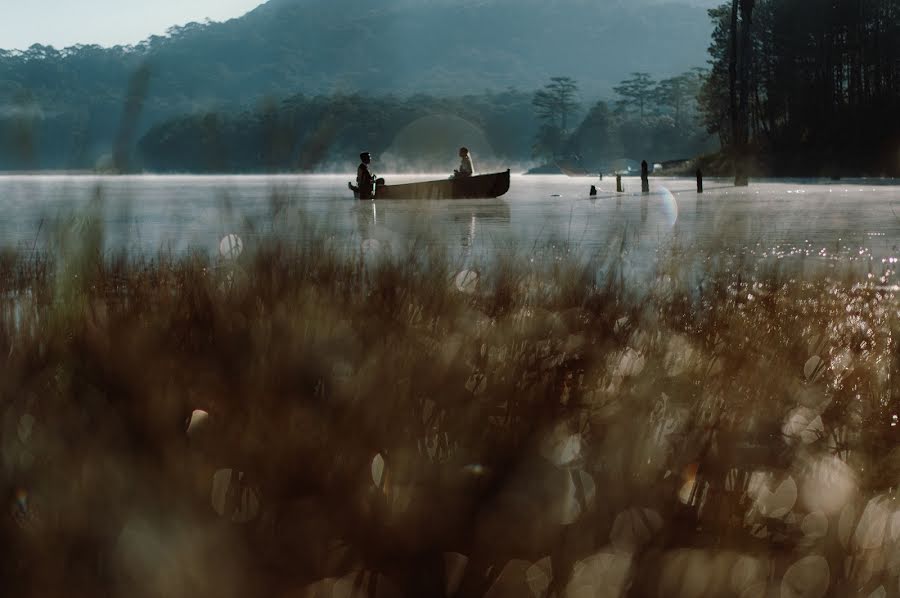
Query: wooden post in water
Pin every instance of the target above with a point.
(645, 177)
(619, 188)
(699, 181)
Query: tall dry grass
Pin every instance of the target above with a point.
(307, 421)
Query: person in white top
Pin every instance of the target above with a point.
(466, 167)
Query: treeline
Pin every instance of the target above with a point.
(652, 120)
(64, 108)
(317, 133)
(68, 109)
(189, 101)
(648, 119)
(815, 85)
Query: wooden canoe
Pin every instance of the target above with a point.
(483, 186)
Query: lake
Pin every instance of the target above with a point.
(842, 221)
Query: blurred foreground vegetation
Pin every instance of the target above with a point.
(313, 420)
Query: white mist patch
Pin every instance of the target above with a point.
(466, 281)
(432, 143)
(24, 111)
(371, 247)
(230, 247)
(669, 207)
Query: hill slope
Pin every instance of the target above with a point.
(434, 47)
(322, 46)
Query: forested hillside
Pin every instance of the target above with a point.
(308, 134)
(422, 132)
(66, 108)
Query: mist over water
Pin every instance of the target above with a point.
(831, 222)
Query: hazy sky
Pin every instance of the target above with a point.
(107, 22)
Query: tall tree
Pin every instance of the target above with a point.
(714, 97)
(732, 86)
(746, 61)
(677, 94)
(817, 91)
(636, 93)
(555, 104)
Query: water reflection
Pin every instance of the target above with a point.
(790, 220)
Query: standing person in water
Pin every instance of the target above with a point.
(466, 168)
(365, 180)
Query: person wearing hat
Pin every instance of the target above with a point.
(466, 168)
(365, 180)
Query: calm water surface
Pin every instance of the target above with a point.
(846, 220)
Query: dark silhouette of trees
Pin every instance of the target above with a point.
(714, 98)
(658, 121)
(636, 92)
(556, 102)
(596, 139)
(818, 92)
(746, 62)
(554, 106)
(732, 86)
(310, 133)
(323, 47)
(678, 94)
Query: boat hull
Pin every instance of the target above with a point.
(484, 186)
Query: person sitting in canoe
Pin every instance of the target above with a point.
(466, 169)
(365, 180)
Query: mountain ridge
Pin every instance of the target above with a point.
(323, 46)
